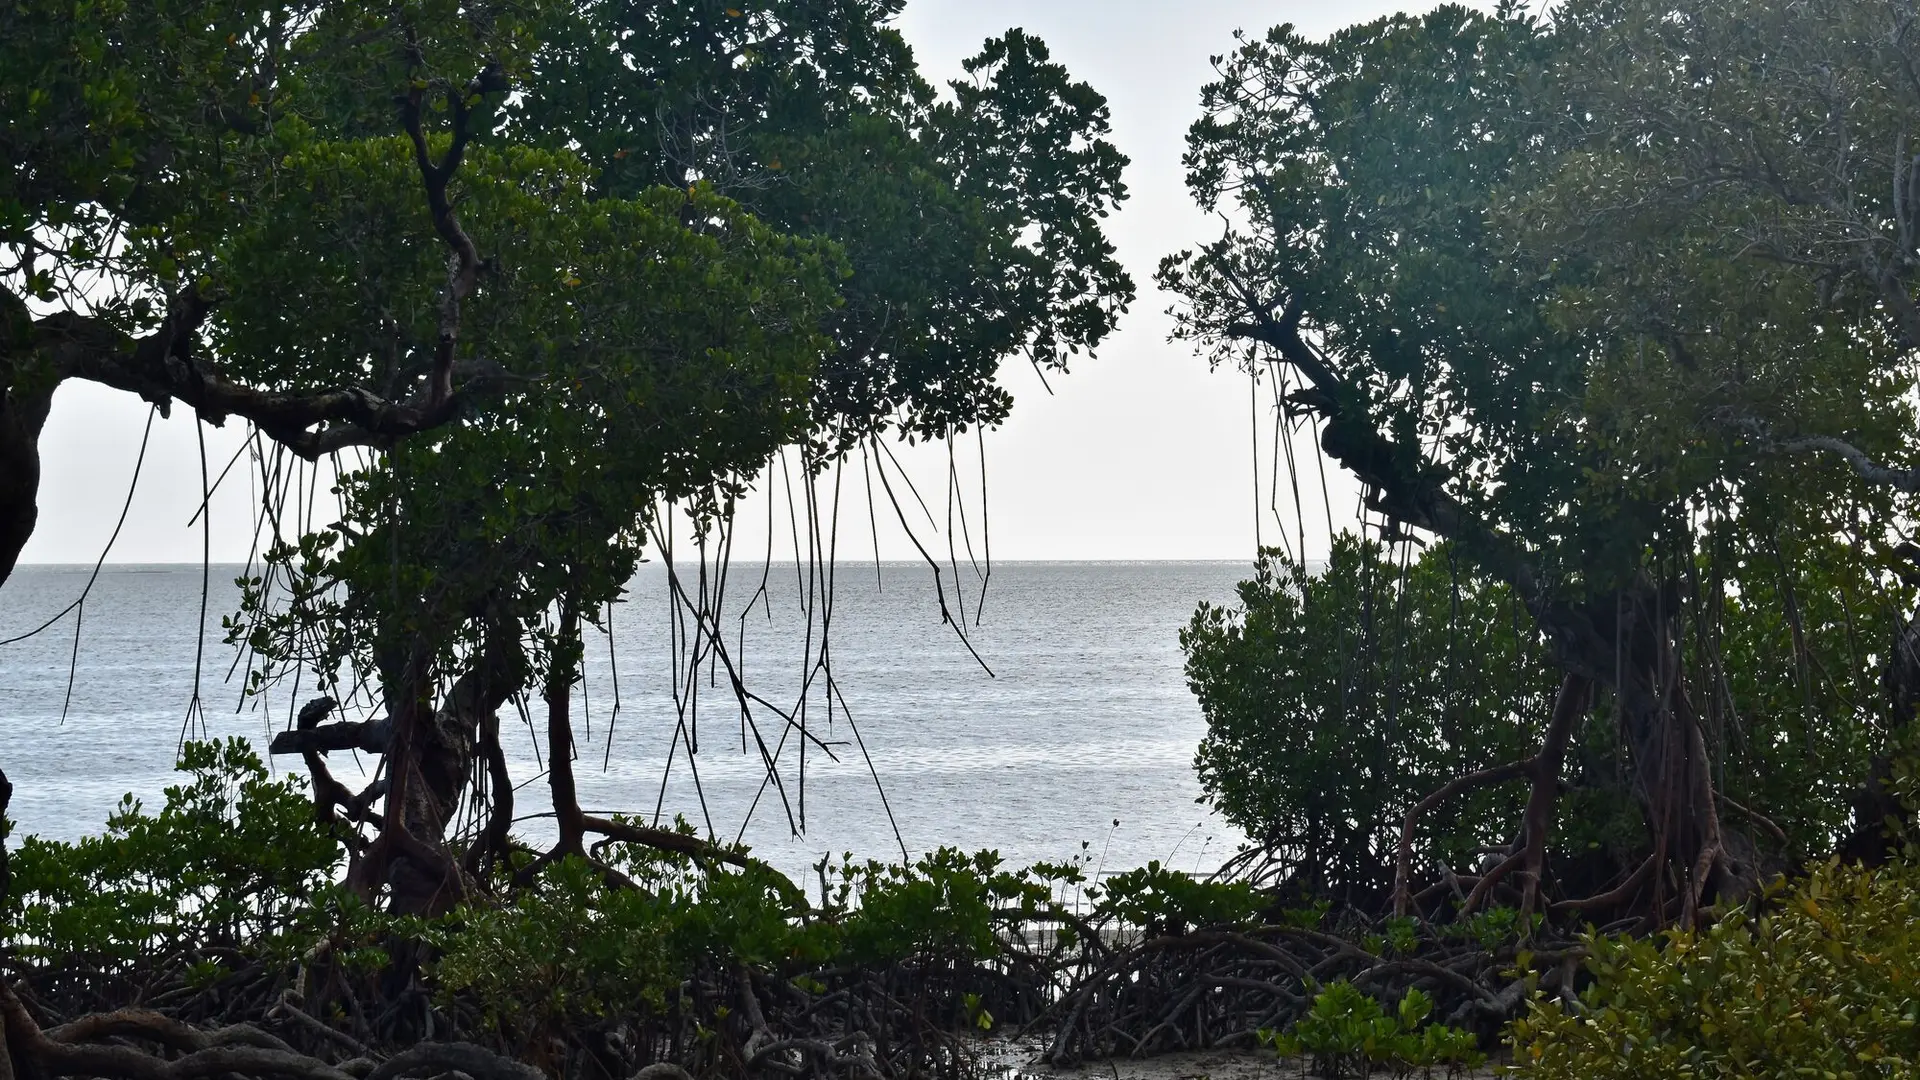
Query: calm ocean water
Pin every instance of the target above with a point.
(1086, 719)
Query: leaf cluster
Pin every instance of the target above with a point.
(1820, 982)
(1167, 901)
(1336, 698)
(1346, 1033)
(230, 864)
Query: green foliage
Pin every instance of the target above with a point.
(1170, 901)
(672, 354)
(1402, 933)
(1493, 927)
(232, 862)
(1335, 700)
(1618, 304)
(1804, 637)
(142, 135)
(683, 236)
(972, 223)
(574, 948)
(710, 233)
(1726, 222)
(1364, 166)
(1822, 982)
(946, 903)
(1307, 917)
(1347, 1033)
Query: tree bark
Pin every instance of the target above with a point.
(23, 413)
(1632, 647)
(6, 868)
(1877, 813)
(560, 680)
(495, 844)
(428, 759)
(1570, 706)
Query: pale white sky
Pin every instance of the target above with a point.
(1139, 454)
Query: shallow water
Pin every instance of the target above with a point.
(1085, 720)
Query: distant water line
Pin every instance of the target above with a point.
(1086, 721)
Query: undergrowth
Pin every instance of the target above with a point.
(226, 904)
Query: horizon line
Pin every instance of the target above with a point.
(910, 563)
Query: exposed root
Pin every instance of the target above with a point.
(115, 1045)
(1215, 989)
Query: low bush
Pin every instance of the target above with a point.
(1346, 1033)
(1825, 982)
(573, 951)
(1336, 697)
(233, 861)
(1169, 901)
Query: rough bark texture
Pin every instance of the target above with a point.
(22, 415)
(6, 868)
(566, 797)
(1631, 646)
(429, 759)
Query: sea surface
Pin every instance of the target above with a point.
(1079, 743)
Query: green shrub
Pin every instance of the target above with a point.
(947, 903)
(572, 949)
(1493, 928)
(1346, 1033)
(1168, 900)
(232, 861)
(1825, 983)
(1336, 698)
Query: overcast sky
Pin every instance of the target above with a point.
(1140, 453)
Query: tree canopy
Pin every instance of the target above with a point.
(542, 269)
(1612, 300)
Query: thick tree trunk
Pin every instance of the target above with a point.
(1632, 647)
(566, 797)
(22, 416)
(1629, 646)
(495, 846)
(429, 761)
(6, 869)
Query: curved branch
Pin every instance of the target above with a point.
(1868, 469)
(209, 1055)
(163, 368)
(1572, 703)
(463, 263)
(1403, 861)
(328, 792)
(369, 736)
(1619, 894)
(668, 840)
(1491, 878)
(439, 1057)
(1405, 488)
